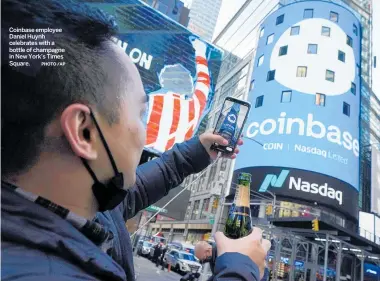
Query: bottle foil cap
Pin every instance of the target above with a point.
(245, 177)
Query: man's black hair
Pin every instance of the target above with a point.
(33, 96)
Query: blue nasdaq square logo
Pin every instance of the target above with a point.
(274, 181)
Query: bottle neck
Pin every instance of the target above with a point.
(243, 194)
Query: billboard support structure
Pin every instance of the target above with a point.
(326, 258)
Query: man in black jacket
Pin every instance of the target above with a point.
(72, 137)
(164, 250)
(157, 254)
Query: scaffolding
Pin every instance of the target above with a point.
(293, 257)
(306, 255)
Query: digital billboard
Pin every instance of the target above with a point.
(304, 185)
(306, 103)
(178, 69)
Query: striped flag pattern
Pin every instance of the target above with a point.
(173, 118)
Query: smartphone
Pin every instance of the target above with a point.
(231, 120)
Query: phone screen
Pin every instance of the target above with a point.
(230, 123)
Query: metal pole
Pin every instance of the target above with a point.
(186, 231)
(338, 263)
(362, 267)
(274, 203)
(326, 258)
(134, 242)
(292, 259)
(306, 261)
(218, 214)
(314, 257)
(138, 234)
(277, 258)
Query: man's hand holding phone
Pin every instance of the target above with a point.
(252, 246)
(208, 139)
(230, 123)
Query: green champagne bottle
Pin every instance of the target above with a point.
(239, 223)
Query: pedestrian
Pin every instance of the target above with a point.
(204, 252)
(164, 250)
(157, 252)
(72, 137)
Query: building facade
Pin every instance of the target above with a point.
(203, 17)
(370, 135)
(174, 9)
(376, 47)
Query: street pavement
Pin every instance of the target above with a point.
(147, 270)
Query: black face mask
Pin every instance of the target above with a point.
(111, 193)
(206, 260)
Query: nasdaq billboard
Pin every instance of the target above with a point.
(304, 185)
(178, 69)
(306, 98)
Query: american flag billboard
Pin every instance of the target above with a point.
(178, 70)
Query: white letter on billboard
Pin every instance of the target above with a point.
(347, 140)
(338, 196)
(323, 190)
(355, 149)
(146, 61)
(281, 123)
(334, 135)
(120, 43)
(133, 57)
(254, 133)
(300, 123)
(310, 124)
(271, 130)
(294, 183)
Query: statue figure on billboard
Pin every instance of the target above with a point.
(173, 116)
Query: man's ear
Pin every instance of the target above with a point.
(79, 130)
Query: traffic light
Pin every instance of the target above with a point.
(215, 203)
(269, 210)
(207, 236)
(315, 225)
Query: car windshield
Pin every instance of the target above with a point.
(187, 257)
(191, 251)
(175, 247)
(147, 244)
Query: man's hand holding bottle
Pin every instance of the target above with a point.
(253, 246)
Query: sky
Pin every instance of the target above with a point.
(227, 11)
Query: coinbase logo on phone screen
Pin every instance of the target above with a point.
(232, 118)
(229, 128)
(231, 121)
